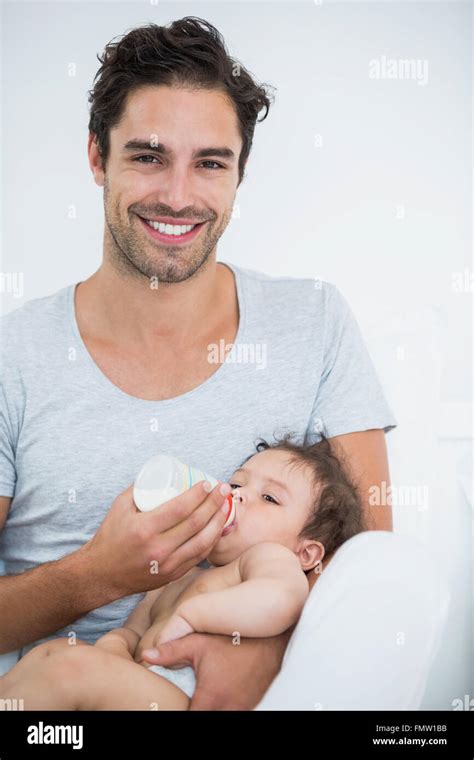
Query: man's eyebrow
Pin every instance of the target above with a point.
(137, 144)
(267, 480)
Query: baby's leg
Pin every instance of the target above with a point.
(32, 675)
(88, 678)
(114, 683)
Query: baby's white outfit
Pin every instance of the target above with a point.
(184, 678)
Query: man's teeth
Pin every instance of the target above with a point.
(170, 229)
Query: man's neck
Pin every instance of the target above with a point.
(129, 307)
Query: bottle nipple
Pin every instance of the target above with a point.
(231, 513)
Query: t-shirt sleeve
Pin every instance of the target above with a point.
(7, 449)
(350, 397)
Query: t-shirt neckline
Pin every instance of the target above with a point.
(201, 388)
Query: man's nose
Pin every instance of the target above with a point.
(175, 188)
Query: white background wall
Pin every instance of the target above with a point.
(369, 184)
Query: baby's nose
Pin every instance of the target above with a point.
(237, 494)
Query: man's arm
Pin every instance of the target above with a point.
(39, 602)
(230, 675)
(365, 455)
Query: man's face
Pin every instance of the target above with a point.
(145, 183)
(274, 501)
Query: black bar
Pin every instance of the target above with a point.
(347, 734)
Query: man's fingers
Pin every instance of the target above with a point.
(197, 521)
(125, 498)
(176, 511)
(172, 654)
(167, 515)
(197, 548)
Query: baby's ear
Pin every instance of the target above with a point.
(310, 553)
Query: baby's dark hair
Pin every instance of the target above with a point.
(337, 513)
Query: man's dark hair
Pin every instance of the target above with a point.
(337, 513)
(188, 53)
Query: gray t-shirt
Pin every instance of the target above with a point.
(71, 441)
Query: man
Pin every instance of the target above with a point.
(123, 365)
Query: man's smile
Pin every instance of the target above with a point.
(174, 234)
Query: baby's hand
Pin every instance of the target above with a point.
(175, 628)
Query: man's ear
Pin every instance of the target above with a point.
(95, 160)
(310, 553)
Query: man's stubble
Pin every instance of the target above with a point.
(133, 255)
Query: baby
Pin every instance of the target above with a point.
(295, 505)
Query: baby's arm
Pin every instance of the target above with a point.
(268, 600)
(123, 641)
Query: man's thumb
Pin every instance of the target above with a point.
(175, 653)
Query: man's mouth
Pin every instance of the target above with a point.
(174, 234)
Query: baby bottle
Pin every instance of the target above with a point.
(163, 477)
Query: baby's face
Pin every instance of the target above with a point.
(273, 501)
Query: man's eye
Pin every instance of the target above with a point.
(216, 165)
(138, 158)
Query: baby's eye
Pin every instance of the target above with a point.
(234, 485)
(267, 496)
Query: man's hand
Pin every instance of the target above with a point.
(137, 551)
(228, 676)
